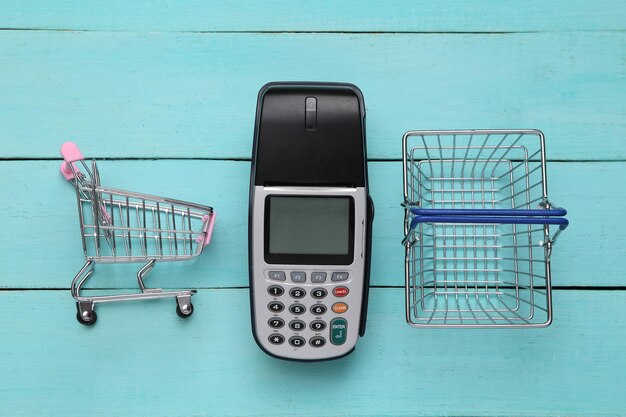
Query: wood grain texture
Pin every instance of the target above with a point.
(177, 83)
(194, 95)
(142, 360)
(324, 15)
(40, 222)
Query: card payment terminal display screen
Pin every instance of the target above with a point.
(309, 225)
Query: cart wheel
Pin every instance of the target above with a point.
(87, 321)
(184, 315)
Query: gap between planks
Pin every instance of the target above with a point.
(137, 158)
(554, 288)
(317, 32)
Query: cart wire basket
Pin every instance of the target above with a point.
(124, 226)
(477, 229)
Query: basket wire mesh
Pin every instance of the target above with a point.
(477, 229)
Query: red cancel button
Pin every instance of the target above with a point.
(340, 291)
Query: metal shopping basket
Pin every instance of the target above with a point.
(124, 226)
(477, 229)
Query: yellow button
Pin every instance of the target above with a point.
(340, 308)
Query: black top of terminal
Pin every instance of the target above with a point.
(310, 134)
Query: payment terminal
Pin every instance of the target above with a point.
(310, 220)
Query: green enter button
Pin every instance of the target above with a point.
(338, 331)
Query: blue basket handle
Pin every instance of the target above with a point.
(560, 221)
(488, 216)
(488, 212)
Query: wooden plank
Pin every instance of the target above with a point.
(42, 248)
(194, 95)
(325, 15)
(140, 359)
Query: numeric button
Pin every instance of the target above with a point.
(276, 323)
(297, 341)
(276, 306)
(275, 290)
(297, 293)
(297, 325)
(317, 325)
(318, 309)
(297, 309)
(319, 293)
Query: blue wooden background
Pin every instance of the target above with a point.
(166, 91)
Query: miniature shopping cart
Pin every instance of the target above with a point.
(477, 229)
(124, 226)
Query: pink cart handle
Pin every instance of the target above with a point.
(209, 231)
(71, 154)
